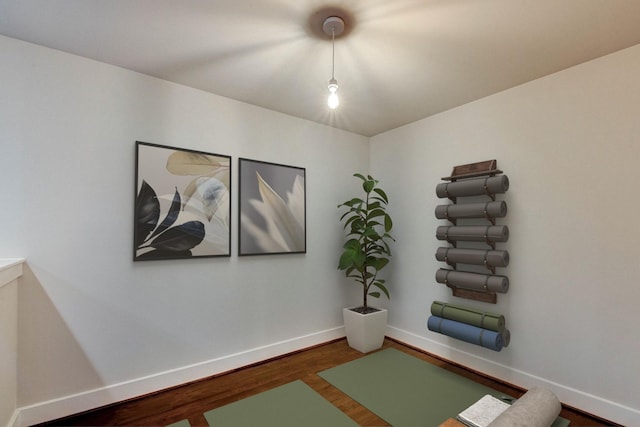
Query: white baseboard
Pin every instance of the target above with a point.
(583, 401)
(69, 405)
(13, 421)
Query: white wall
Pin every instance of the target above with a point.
(95, 327)
(570, 144)
(10, 271)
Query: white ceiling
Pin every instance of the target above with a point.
(403, 60)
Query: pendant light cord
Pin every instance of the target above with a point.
(333, 52)
(332, 26)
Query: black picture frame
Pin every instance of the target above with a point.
(272, 208)
(182, 205)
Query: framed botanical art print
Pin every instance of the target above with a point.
(272, 208)
(182, 203)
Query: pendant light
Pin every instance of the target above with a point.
(333, 26)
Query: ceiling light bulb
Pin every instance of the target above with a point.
(333, 100)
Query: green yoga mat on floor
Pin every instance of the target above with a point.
(406, 391)
(292, 405)
(182, 423)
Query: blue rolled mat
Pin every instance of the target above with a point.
(472, 334)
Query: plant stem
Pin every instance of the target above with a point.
(364, 291)
(366, 251)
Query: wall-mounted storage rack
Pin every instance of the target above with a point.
(473, 180)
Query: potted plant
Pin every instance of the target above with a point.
(364, 254)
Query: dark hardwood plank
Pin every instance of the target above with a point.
(190, 401)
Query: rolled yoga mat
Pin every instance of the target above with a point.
(473, 187)
(538, 407)
(473, 233)
(468, 333)
(506, 337)
(459, 313)
(472, 210)
(475, 281)
(473, 256)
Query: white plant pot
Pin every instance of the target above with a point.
(365, 332)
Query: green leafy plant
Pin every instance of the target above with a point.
(367, 250)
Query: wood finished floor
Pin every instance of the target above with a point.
(191, 401)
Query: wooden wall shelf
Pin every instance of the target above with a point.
(474, 170)
(488, 297)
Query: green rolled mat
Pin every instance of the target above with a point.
(459, 313)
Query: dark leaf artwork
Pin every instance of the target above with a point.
(147, 212)
(182, 203)
(172, 215)
(180, 238)
(165, 240)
